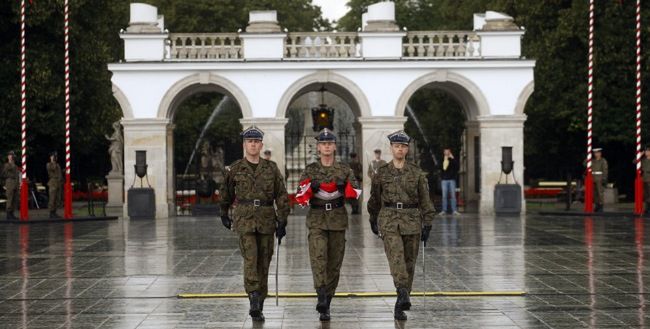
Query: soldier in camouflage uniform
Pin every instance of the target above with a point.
(54, 185)
(645, 169)
(401, 213)
(327, 219)
(599, 171)
(10, 175)
(251, 187)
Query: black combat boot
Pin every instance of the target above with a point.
(321, 304)
(255, 310)
(53, 214)
(261, 317)
(399, 313)
(10, 215)
(325, 316)
(403, 299)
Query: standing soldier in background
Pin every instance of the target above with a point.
(357, 170)
(375, 164)
(324, 185)
(54, 183)
(599, 171)
(252, 186)
(10, 175)
(645, 169)
(401, 213)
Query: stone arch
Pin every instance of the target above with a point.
(197, 83)
(523, 98)
(123, 101)
(347, 90)
(463, 89)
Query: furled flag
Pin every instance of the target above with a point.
(351, 192)
(304, 192)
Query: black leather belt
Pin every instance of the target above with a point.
(322, 204)
(400, 205)
(257, 202)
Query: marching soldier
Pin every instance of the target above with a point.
(252, 186)
(599, 171)
(55, 180)
(324, 185)
(401, 213)
(10, 174)
(645, 168)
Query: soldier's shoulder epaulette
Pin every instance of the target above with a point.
(344, 165)
(414, 166)
(235, 164)
(271, 163)
(312, 165)
(383, 165)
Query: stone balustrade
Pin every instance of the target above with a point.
(441, 44)
(205, 46)
(320, 45)
(324, 45)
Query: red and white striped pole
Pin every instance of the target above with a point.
(24, 190)
(638, 182)
(589, 180)
(67, 209)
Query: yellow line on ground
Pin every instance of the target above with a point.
(364, 294)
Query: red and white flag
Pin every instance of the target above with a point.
(351, 192)
(304, 192)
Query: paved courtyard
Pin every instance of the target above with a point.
(577, 272)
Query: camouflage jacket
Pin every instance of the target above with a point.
(54, 174)
(335, 219)
(264, 183)
(599, 169)
(407, 185)
(10, 170)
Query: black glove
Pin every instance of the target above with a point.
(315, 186)
(425, 234)
(340, 185)
(280, 232)
(374, 228)
(225, 220)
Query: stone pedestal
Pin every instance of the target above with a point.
(153, 136)
(498, 131)
(115, 204)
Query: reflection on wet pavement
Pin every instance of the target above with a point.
(578, 272)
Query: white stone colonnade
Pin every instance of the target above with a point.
(376, 71)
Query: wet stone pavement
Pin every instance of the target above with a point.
(577, 272)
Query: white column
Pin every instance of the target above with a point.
(498, 131)
(149, 135)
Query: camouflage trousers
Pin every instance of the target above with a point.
(646, 192)
(599, 190)
(11, 190)
(402, 253)
(54, 198)
(257, 251)
(326, 251)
